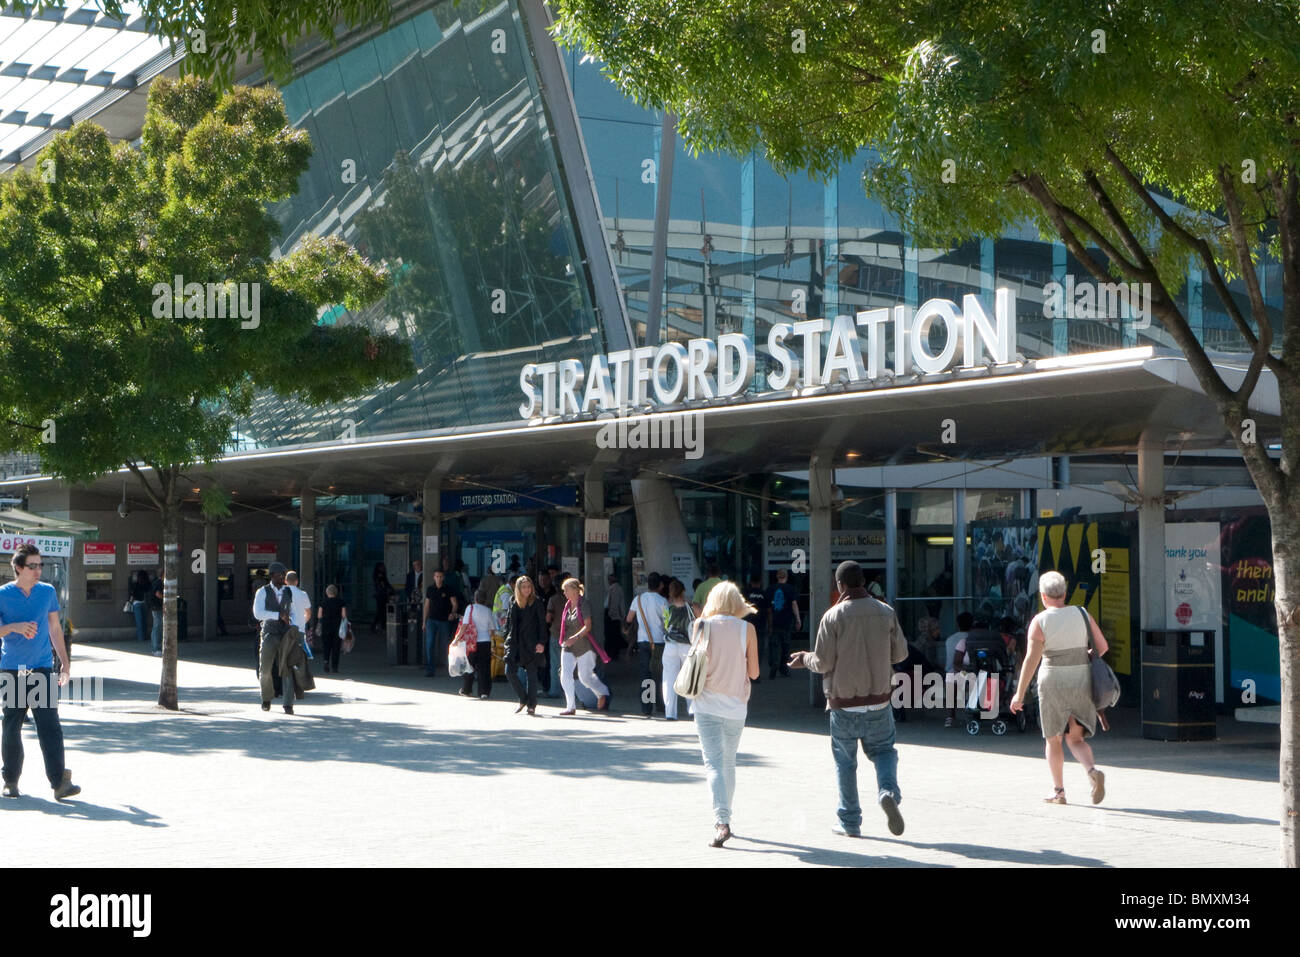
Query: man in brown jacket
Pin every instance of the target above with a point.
(858, 642)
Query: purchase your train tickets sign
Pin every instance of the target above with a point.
(807, 353)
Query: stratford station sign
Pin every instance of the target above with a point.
(702, 369)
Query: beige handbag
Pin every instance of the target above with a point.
(690, 680)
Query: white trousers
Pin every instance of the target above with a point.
(586, 663)
(675, 653)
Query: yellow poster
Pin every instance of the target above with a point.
(1114, 617)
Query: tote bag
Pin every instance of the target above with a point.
(695, 668)
(1105, 686)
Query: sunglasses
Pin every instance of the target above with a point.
(32, 565)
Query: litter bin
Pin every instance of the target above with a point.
(1178, 686)
(396, 634)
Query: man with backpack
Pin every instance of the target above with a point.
(782, 598)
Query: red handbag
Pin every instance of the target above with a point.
(467, 632)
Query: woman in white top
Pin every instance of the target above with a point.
(1059, 637)
(484, 621)
(721, 708)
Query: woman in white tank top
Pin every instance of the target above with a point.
(721, 708)
(1059, 637)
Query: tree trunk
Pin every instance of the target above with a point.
(171, 520)
(1285, 520)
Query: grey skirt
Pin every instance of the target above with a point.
(1065, 691)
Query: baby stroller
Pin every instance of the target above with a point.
(990, 697)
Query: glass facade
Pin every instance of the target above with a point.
(748, 248)
(432, 156)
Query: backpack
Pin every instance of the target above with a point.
(677, 623)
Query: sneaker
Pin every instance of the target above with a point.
(11, 789)
(66, 788)
(157, 654)
(1098, 785)
(288, 709)
(843, 831)
(482, 697)
(890, 806)
(266, 706)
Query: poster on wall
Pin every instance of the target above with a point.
(1004, 576)
(225, 553)
(1249, 593)
(143, 554)
(1115, 617)
(261, 554)
(569, 563)
(681, 565)
(639, 575)
(866, 546)
(1193, 586)
(99, 553)
(55, 546)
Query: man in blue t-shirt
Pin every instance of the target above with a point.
(30, 637)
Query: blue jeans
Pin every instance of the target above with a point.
(719, 741)
(141, 611)
(875, 729)
(437, 636)
(157, 629)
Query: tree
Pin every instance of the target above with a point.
(1156, 133)
(140, 309)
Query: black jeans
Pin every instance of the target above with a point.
(533, 676)
(481, 659)
(650, 663)
(46, 719)
(331, 645)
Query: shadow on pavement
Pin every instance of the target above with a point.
(80, 810)
(980, 852)
(1199, 817)
(306, 736)
(820, 855)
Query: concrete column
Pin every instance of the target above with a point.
(431, 527)
(960, 579)
(821, 576)
(1151, 529)
(659, 522)
(891, 546)
(307, 548)
(211, 565)
(593, 559)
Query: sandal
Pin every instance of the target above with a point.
(721, 834)
(1057, 798)
(1098, 785)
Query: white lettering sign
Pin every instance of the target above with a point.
(809, 353)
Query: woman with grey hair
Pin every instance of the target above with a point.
(1058, 636)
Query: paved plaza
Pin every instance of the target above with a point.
(382, 766)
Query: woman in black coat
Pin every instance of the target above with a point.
(526, 638)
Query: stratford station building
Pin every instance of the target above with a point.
(632, 359)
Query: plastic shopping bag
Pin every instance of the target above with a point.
(457, 660)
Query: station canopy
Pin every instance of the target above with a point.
(67, 64)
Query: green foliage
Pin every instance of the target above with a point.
(129, 371)
(1001, 89)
